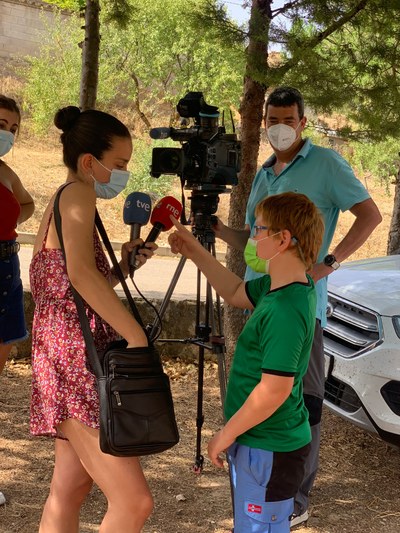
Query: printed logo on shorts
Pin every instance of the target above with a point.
(253, 508)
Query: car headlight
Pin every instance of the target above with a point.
(396, 325)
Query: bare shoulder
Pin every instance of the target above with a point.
(12, 181)
(77, 207)
(79, 195)
(7, 176)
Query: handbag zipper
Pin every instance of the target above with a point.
(116, 372)
(118, 398)
(134, 366)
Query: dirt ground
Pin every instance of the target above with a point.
(357, 490)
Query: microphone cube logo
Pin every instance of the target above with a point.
(173, 210)
(143, 205)
(139, 204)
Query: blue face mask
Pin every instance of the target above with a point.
(6, 142)
(117, 183)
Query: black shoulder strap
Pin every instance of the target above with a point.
(117, 268)
(87, 334)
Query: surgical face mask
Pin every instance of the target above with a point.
(282, 136)
(6, 142)
(117, 183)
(255, 262)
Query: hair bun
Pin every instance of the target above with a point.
(66, 117)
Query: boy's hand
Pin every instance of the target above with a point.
(217, 445)
(182, 241)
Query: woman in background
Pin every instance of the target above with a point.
(16, 206)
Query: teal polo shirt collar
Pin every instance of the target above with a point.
(303, 152)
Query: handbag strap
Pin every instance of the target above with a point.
(117, 269)
(87, 333)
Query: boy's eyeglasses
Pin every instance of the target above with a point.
(258, 229)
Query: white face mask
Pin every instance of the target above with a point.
(282, 136)
(117, 183)
(6, 142)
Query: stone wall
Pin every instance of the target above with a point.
(21, 24)
(179, 322)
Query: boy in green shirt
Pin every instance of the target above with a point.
(267, 433)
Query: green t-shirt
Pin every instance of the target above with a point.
(276, 339)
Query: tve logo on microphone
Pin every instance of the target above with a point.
(141, 203)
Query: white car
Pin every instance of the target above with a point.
(362, 345)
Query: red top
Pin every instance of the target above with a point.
(9, 213)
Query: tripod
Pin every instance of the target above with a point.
(209, 331)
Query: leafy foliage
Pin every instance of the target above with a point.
(168, 47)
(141, 180)
(345, 64)
(146, 66)
(163, 53)
(377, 159)
(73, 5)
(53, 78)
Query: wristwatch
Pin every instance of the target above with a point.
(330, 261)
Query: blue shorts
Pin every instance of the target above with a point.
(264, 486)
(12, 319)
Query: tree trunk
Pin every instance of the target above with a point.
(136, 102)
(90, 56)
(251, 111)
(393, 246)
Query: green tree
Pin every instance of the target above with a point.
(353, 70)
(90, 55)
(91, 42)
(162, 54)
(72, 5)
(341, 54)
(158, 56)
(53, 78)
(379, 160)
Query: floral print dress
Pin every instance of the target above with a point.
(62, 385)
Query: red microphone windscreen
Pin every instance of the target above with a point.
(166, 207)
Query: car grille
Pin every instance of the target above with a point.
(342, 395)
(351, 329)
(391, 394)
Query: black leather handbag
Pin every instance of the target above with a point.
(136, 407)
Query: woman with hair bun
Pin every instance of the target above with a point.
(97, 148)
(16, 206)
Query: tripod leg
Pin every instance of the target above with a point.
(198, 466)
(220, 350)
(207, 331)
(203, 332)
(154, 329)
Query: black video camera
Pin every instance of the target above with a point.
(209, 159)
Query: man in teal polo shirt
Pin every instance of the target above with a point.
(327, 179)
